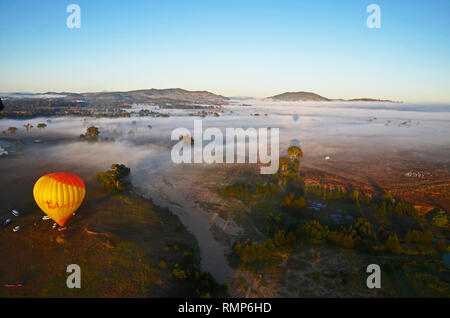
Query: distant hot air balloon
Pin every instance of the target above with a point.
(59, 195)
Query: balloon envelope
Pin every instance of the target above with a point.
(59, 195)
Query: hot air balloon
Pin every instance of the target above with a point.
(59, 195)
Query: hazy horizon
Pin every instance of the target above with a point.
(42, 94)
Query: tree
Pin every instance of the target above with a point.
(290, 166)
(12, 130)
(440, 220)
(284, 164)
(115, 179)
(299, 203)
(289, 201)
(280, 238)
(28, 127)
(91, 134)
(290, 239)
(92, 131)
(354, 196)
(388, 197)
(392, 244)
(295, 152)
(179, 273)
(162, 264)
(41, 125)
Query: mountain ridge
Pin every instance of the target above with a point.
(310, 96)
(298, 96)
(132, 96)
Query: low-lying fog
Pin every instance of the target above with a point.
(321, 128)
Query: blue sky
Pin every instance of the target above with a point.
(232, 47)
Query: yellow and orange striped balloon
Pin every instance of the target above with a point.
(59, 195)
